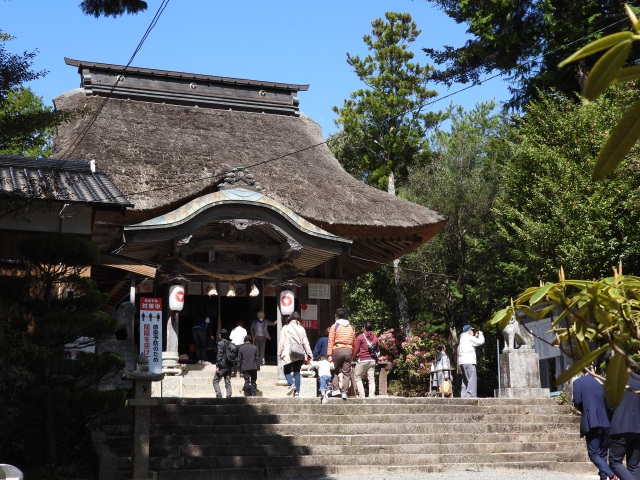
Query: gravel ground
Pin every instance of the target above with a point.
(486, 475)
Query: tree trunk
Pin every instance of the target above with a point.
(451, 324)
(49, 421)
(397, 274)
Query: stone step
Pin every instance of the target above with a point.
(390, 400)
(246, 438)
(339, 407)
(374, 448)
(375, 470)
(354, 461)
(358, 429)
(331, 417)
(451, 440)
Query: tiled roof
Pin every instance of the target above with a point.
(59, 180)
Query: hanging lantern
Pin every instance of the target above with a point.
(287, 302)
(211, 289)
(176, 298)
(254, 290)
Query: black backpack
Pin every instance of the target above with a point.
(374, 351)
(231, 353)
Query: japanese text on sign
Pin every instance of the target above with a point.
(151, 332)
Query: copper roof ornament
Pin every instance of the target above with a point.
(240, 177)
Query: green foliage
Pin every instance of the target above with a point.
(603, 315)
(447, 278)
(112, 8)
(25, 123)
(57, 258)
(551, 213)
(384, 125)
(609, 70)
(524, 40)
(371, 298)
(50, 397)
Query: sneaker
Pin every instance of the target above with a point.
(335, 393)
(296, 395)
(291, 389)
(324, 400)
(344, 396)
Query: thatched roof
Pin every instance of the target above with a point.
(162, 155)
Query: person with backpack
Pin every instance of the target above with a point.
(249, 364)
(225, 360)
(340, 348)
(367, 351)
(293, 337)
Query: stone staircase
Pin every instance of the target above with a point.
(259, 438)
(196, 382)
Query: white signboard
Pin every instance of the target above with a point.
(151, 332)
(319, 290)
(541, 329)
(309, 316)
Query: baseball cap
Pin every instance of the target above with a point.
(466, 328)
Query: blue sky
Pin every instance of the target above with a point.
(284, 41)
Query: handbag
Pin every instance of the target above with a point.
(445, 388)
(296, 350)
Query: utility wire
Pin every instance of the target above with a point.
(85, 130)
(221, 176)
(539, 57)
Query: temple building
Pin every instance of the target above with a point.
(233, 189)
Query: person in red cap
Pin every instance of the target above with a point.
(469, 341)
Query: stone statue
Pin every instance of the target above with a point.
(515, 332)
(124, 316)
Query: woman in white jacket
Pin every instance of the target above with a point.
(293, 332)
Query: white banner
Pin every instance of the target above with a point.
(151, 332)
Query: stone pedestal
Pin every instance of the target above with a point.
(170, 386)
(170, 365)
(308, 387)
(520, 375)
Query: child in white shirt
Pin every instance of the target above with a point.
(324, 367)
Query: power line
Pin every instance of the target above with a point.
(539, 57)
(220, 176)
(85, 130)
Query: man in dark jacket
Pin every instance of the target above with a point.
(588, 398)
(624, 434)
(249, 364)
(223, 369)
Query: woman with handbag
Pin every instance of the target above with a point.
(293, 351)
(442, 366)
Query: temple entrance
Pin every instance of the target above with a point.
(232, 310)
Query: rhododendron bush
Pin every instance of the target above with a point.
(411, 356)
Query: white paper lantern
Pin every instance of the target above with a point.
(287, 302)
(176, 298)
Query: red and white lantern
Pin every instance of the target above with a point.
(176, 298)
(287, 302)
